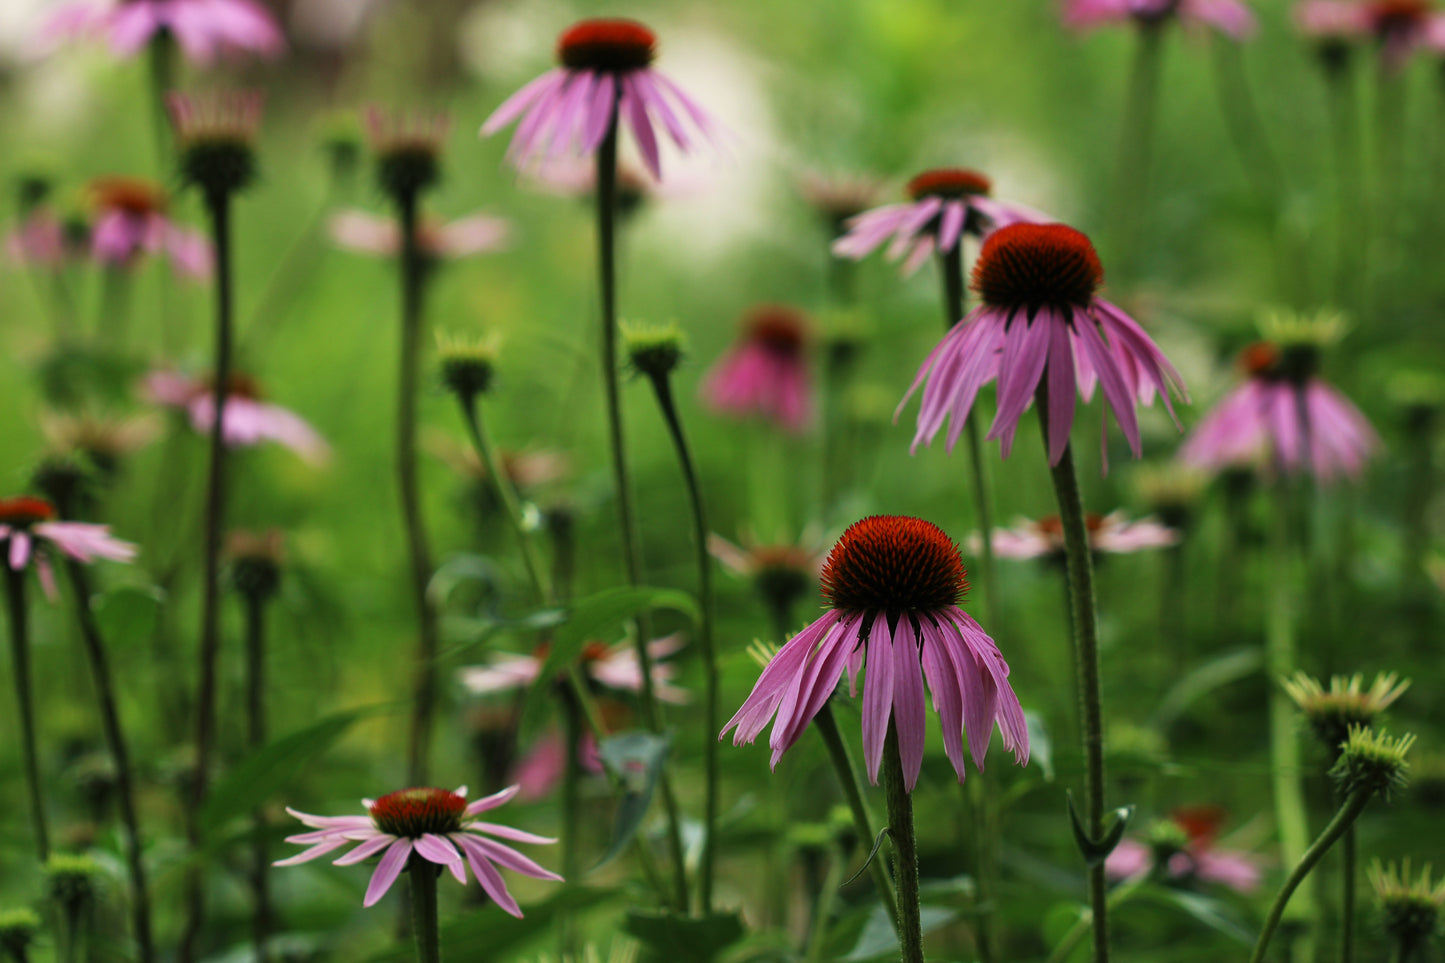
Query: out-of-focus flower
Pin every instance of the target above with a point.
(781, 574)
(528, 469)
(1398, 27)
(1332, 711)
(606, 79)
(106, 440)
(893, 585)
(1410, 907)
(29, 533)
(576, 177)
(1183, 848)
(838, 197)
(1230, 17)
(1172, 490)
(130, 219)
(408, 147)
(613, 667)
(541, 767)
(256, 561)
(45, 240)
(1114, 533)
(204, 29)
(436, 825)
(944, 205)
(766, 373)
(18, 928)
(1042, 328)
(247, 421)
(216, 138)
(437, 240)
(1285, 415)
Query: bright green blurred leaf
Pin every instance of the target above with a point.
(127, 615)
(1041, 744)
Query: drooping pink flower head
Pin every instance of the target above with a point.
(1183, 848)
(368, 234)
(1230, 17)
(438, 825)
(1284, 416)
(1041, 330)
(1401, 27)
(248, 419)
(204, 29)
(1114, 534)
(944, 205)
(131, 220)
(30, 533)
(606, 80)
(767, 372)
(613, 667)
(893, 586)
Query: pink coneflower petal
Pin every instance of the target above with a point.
(437, 849)
(390, 867)
(491, 802)
(365, 851)
(909, 709)
(487, 875)
(877, 696)
(19, 550)
(315, 852)
(634, 108)
(516, 105)
(509, 858)
(507, 832)
(943, 679)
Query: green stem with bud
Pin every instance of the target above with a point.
(662, 388)
(424, 926)
(852, 787)
(627, 526)
(24, 701)
(905, 848)
(115, 741)
(1345, 818)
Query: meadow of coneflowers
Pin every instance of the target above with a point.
(722, 482)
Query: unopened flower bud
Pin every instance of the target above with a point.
(654, 351)
(1345, 704)
(1410, 907)
(216, 136)
(71, 880)
(18, 927)
(256, 561)
(1371, 760)
(408, 150)
(467, 365)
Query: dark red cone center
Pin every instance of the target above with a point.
(1036, 265)
(780, 329)
(24, 511)
(412, 813)
(132, 195)
(893, 563)
(607, 44)
(949, 182)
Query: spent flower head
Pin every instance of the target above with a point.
(1345, 703)
(71, 879)
(216, 138)
(1410, 907)
(467, 364)
(18, 928)
(257, 559)
(1370, 760)
(654, 351)
(408, 149)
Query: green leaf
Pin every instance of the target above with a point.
(1211, 912)
(1041, 744)
(1095, 851)
(879, 939)
(127, 615)
(600, 616)
(486, 933)
(636, 758)
(269, 768)
(684, 939)
(1212, 675)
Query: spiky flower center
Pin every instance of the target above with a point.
(24, 511)
(1260, 358)
(1037, 265)
(780, 329)
(609, 43)
(949, 182)
(414, 812)
(893, 563)
(132, 195)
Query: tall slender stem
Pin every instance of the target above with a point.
(536, 572)
(572, 729)
(24, 701)
(115, 741)
(413, 283)
(905, 848)
(1136, 141)
(1352, 214)
(219, 206)
(852, 786)
(424, 926)
(1347, 896)
(631, 552)
(1349, 811)
(1086, 662)
(255, 738)
(662, 387)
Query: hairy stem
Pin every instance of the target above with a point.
(905, 848)
(24, 701)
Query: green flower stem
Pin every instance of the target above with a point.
(1086, 662)
(1349, 811)
(1347, 896)
(905, 849)
(631, 552)
(954, 308)
(662, 388)
(255, 738)
(536, 571)
(1352, 214)
(1136, 140)
(572, 724)
(140, 903)
(1117, 897)
(219, 207)
(852, 786)
(424, 926)
(20, 666)
(413, 283)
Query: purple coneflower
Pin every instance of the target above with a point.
(1113, 533)
(248, 420)
(1184, 845)
(368, 234)
(615, 667)
(1285, 414)
(766, 373)
(1041, 329)
(435, 824)
(1230, 17)
(204, 29)
(945, 204)
(30, 534)
(131, 220)
(893, 585)
(606, 73)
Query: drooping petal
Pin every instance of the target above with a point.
(315, 852)
(365, 851)
(491, 881)
(877, 694)
(942, 678)
(909, 710)
(387, 871)
(508, 857)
